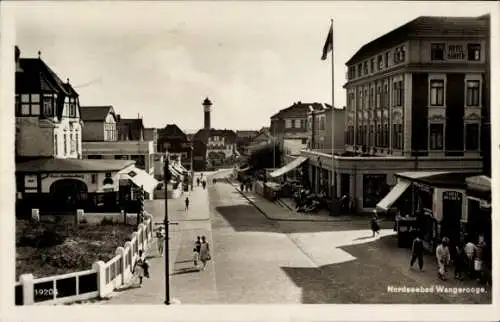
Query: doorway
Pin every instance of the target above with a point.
(68, 194)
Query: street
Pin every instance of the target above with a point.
(259, 261)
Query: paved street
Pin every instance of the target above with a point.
(260, 261)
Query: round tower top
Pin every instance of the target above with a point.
(207, 102)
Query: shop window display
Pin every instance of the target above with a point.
(374, 189)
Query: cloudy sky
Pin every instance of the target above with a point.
(161, 59)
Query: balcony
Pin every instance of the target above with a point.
(118, 147)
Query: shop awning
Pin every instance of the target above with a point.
(396, 192)
(174, 171)
(245, 169)
(289, 167)
(179, 168)
(141, 178)
(482, 183)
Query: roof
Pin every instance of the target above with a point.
(132, 129)
(170, 131)
(301, 108)
(35, 76)
(96, 113)
(72, 165)
(204, 134)
(421, 26)
(439, 179)
(246, 133)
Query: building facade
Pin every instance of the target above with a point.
(100, 123)
(47, 113)
(320, 129)
(172, 139)
(416, 101)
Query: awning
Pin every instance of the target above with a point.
(289, 167)
(141, 178)
(396, 192)
(244, 169)
(482, 183)
(174, 171)
(179, 168)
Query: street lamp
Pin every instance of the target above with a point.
(166, 178)
(191, 166)
(320, 174)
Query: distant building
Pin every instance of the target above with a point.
(151, 134)
(243, 139)
(213, 148)
(100, 123)
(172, 139)
(319, 127)
(261, 139)
(130, 129)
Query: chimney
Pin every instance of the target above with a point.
(118, 117)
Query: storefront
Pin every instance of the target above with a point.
(64, 185)
(479, 208)
(297, 166)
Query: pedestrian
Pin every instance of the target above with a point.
(141, 267)
(196, 257)
(443, 258)
(417, 253)
(160, 240)
(204, 252)
(479, 259)
(204, 184)
(197, 244)
(374, 225)
(459, 260)
(470, 253)
(242, 187)
(187, 203)
(198, 182)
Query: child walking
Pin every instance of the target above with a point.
(196, 257)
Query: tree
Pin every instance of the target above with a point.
(263, 157)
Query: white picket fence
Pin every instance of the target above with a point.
(98, 282)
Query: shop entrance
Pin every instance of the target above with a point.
(68, 194)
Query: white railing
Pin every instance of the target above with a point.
(98, 282)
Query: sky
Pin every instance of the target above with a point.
(161, 59)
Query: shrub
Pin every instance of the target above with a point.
(107, 221)
(41, 237)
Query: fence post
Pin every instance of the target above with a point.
(100, 268)
(27, 281)
(128, 270)
(79, 216)
(140, 232)
(133, 240)
(121, 251)
(35, 215)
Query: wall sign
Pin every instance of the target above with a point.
(67, 175)
(452, 196)
(456, 52)
(31, 183)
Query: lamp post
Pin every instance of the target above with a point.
(320, 173)
(140, 211)
(191, 166)
(166, 179)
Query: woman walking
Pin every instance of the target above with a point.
(160, 240)
(204, 252)
(374, 225)
(140, 267)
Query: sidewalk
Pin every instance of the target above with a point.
(273, 211)
(181, 242)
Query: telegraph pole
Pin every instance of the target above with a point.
(166, 179)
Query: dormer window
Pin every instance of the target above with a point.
(29, 105)
(72, 107)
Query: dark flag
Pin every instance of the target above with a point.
(328, 47)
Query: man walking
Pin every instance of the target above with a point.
(160, 240)
(187, 203)
(443, 258)
(417, 252)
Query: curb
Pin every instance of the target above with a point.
(291, 219)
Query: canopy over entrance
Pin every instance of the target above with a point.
(140, 178)
(288, 167)
(396, 192)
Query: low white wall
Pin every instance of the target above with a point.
(110, 276)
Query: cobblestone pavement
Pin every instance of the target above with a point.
(261, 261)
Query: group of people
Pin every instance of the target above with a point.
(202, 181)
(201, 253)
(466, 258)
(246, 185)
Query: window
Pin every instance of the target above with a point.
(360, 99)
(372, 97)
(397, 136)
(472, 136)
(365, 134)
(288, 124)
(379, 135)
(65, 144)
(472, 93)
(379, 93)
(77, 139)
(372, 65)
(72, 143)
(25, 98)
(385, 99)
(386, 60)
(321, 122)
(380, 62)
(35, 109)
(437, 92)
(436, 132)
(372, 135)
(359, 135)
(395, 56)
(398, 93)
(94, 178)
(304, 141)
(365, 99)
(365, 68)
(25, 109)
(474, 52)
(402, 54)
(437, 51)
(386, 136)
(302, 124)
(359, 70)
(47, 106)
(55, 144)
(35, 98)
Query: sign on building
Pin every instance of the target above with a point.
(456, 52)
(31, 183)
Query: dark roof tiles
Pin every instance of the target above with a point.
(96, 113)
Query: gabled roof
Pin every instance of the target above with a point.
(171, 131)
(133, 129)
(96, 113)
(204, 134)
(300, 108)
(421, 26)
(246, 133)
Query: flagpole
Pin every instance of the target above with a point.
(334, 193)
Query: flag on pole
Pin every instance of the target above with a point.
(328, 47)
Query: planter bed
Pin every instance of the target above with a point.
(51, 249)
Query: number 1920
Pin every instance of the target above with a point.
(45, 292)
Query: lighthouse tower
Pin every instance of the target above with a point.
(207, 105)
